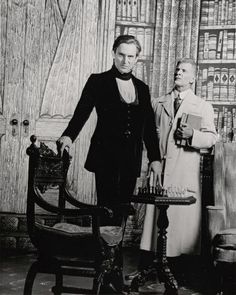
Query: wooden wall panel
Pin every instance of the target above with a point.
(31, 91)
(84, 47)
(48, 50)
(3, 28)
(13, 93)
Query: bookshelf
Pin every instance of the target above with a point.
(137, 18)
(217, 63)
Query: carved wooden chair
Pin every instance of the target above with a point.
(67, 247)
(222, 218)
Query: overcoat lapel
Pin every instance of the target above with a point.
(167, 104)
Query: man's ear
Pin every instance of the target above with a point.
(113, 53)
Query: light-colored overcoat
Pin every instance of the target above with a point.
(181, 169)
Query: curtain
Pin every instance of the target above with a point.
(176, 36)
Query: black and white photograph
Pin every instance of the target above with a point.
(118, 147)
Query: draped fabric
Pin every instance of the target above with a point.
(176, 36)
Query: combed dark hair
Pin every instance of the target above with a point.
(128, 39)
(188, 60)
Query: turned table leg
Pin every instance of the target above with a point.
(162, 266)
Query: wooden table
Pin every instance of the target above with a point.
(160, 264)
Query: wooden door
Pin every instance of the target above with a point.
(49, 49)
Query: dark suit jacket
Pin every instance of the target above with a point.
(121, 128)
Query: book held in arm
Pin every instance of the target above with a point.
(193, 121)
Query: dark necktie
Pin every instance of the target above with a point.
(177, 103)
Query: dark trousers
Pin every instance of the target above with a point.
(114, 188)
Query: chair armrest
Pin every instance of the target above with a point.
(73, 201)
(126, 208)
(86, 210)
(215, 220)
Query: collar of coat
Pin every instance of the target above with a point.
(167, 101)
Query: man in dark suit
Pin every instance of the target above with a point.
(124, 120)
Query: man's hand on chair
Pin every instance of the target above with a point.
(64, 142)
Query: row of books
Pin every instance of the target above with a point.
(225, 123)
(218, 12)
(136, 10)
(144, 36)
(217, 84)
(217, 45)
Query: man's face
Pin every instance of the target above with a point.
(184, 75)
(125, 57)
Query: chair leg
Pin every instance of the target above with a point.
(30, 278)
(219, 279)
(59, 283)
(57, 289)
(97, 282)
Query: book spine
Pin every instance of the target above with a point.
(229, 127)
(211, 5)
(134, 10)
(123, 9)
(232, 84)
(128, 10)
(230, 13)
(132, 31)
(224, 76)
(226, 10)
(235, 36)
(225, 43)
(216, 7)
(143, 11)
(206, 45)
(230, 45)
(219, 45)
(212, 46)
(204, 83)
(216, 117)
(117, 31)
(183, 120)
(222, 20)
(210, 83)
(234, 12)
(216, 88)
(199, 83)
(201, 47)
(219, 12)
(126, 30)
(118, 9)
(204, 12)
(224, 125)
(220, 125)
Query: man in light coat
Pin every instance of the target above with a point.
(180, 165)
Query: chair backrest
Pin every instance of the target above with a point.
(224, 182)
(47, 171)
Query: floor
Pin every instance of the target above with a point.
(13, 269)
